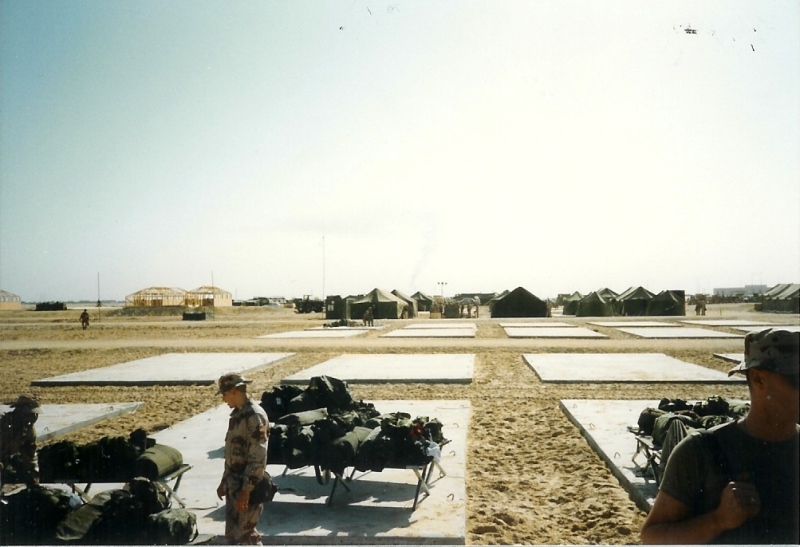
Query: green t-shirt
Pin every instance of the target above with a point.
(698, 469)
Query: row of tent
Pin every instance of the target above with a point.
(782, 298)
(385, 305)
(636, 301)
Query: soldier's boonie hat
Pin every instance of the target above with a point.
(773, 349)
(230, 381)
(26, 402)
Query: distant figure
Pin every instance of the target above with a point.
(368, 317)
(85, 319)
(477, 306)
(18, 460)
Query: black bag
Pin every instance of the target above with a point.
(172, 527)
(264, 490)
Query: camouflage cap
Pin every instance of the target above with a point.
(773, 349)
(26, 402)
(230, 381)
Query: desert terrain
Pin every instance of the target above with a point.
(531, 477)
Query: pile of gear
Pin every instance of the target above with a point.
(139, 513)
(322, 425)
(108, 459)
(673, 419)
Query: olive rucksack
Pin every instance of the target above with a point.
(171, 527)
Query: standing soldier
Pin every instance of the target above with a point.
(85, 319)
(245, 460)
(18, 461)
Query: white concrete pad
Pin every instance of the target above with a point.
(56, 420)
(167, 369)
(539, 324)
(677, 332)
(552, 332)
(317, 333)
(431, 333)
(621, 367)
(632, 324)
(732, 357)
(790, 328)
(604, 425)
(726, 322)
(441, 325)
(357, 327)
(399, 368)
(377, 510)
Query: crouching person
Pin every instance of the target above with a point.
(738, 482)
(245, 461)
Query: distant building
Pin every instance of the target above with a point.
(9, 301)
(747, 290)
(209, 296)
(156, 297)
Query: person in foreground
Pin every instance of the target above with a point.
(738, 482)
(245, 461)
(18, 440)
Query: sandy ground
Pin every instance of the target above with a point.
(531, 477)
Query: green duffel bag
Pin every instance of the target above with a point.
(157, 461)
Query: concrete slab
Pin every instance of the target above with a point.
(631, 324)
(621, 368)
(431, 333)
(726, 322)
(552, 332)
(790, 328)
(441, 325)
(732, 357)
(317, 333)
(539, 324)
(395, 368)
(604, 425)
(377, 510)
(357, 327)
(56, 420)
(677, 332)
(167, 369)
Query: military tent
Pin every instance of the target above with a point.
(607, 293)
(384, 304)
(783, 298)
(209, 296)
(634, 301)
(518, 303)
(570, 303)
(424, 302)
(667, 303)
(412, 304)
(595, 304)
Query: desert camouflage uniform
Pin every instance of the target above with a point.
(245, 462)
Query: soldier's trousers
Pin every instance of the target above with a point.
(240, 526)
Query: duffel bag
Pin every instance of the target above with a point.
(157, 461)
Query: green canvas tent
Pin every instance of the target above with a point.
(595, 305)
(424, 302)
(570, 303)
(667, 303)
(634, 301)
(412, 304)
(783, 298)
(384, 304)
(518, 303)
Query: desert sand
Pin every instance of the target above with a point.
(531, 477)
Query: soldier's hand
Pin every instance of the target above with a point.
(739, 502)
(221, 490)
(243, 500)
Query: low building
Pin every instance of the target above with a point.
(156, 297)
(209, 296)
(9, 301)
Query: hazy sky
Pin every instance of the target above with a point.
(290, 148)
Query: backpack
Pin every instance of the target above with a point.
(171, 527)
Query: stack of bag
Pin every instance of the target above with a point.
(324, 426)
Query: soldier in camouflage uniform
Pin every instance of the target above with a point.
(18, 440)
(245, 460)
